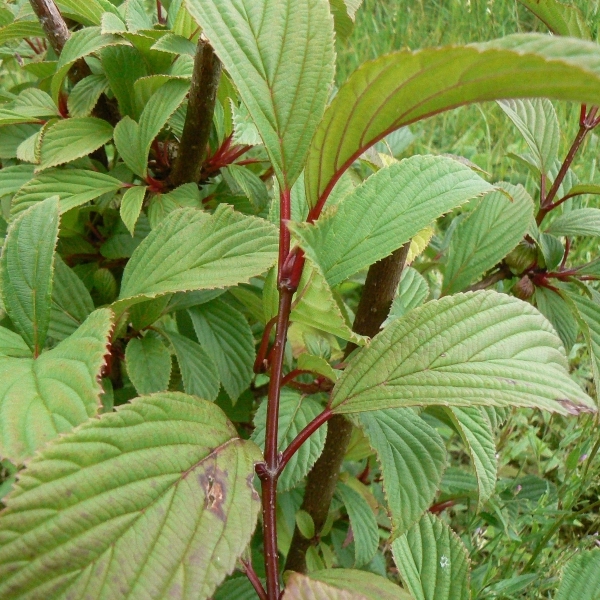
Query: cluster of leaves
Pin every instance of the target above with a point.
(133, 394)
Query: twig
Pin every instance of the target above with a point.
(254, 580)
(503, 273)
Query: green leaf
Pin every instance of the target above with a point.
(71, 302)
(537, 121)
(371, 586)
(82, 43)
(35, 103)
(432, 561)
(19, 30)
(85, 94)
(73, 186)
(186, 195)
(317, 364)
(385, 212)
(582, 189)
(554, 308)
(164, 472)
(43, 397)
(300, 587)
(14, 177)
(175, 44)
(580, 221)
(69, 139)
(475, 429)
(295, 412)
(12, 344)
(494, 227)
(364, 525)
(192, 250)
(88, 13)
(237, 588)
(412, 292)
(305, 524)
(561, 19)
(280, 56)
(198, 369)
(412, 456)
(404, 87)
(11, 117)
(121, 244)
(148, 364)
(344, 14)
(26, 271)
(133, 140)
(131, 206)
(480, 348)
(226, 336)
(581, 578)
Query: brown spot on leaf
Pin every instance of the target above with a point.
(214, 484)
(572, 408)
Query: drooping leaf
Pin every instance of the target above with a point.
(280, 56)
(537, 121)
(433, 562)
(43, 397)
(19, 30)
(148, 364)
(153, 501)
(404, 87)
(554, 308)
(581, 578)
(26, 271)
(364, 525)
(295, 412)
(487, 235)
(561, 19)
(478, 348)
(361, 582)
(317, 364)
(198, 370)
(131, 206)
(192, 250)
(476, 431)
(581, 221)
(74, 187)
(412, 292)
(69, 139)
(412, 456)
(385, 212)
(226, 336)
(12, 344)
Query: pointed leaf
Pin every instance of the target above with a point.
(198, 370)
(432, 561)
(412, 456)
(581, 578)
(385, 212)
(280, 56)
(561, 19)
(487, 235)
(478, 348)
(362, 582)
(581, 221)
(85, 94)
(131, 206)
(148, 364)
(412, 292)
(554, 308)
(26, 271)
(12, 344)
(41, 398)
(404, 87)
(153, 501)
(192, 250)
(295, 412)
(226, 336)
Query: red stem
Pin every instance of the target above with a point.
(261, 355)
(303, 436)
(293, 374)
(254, 580)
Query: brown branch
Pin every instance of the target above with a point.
(375, 303)
(198, 120)
(503, 273)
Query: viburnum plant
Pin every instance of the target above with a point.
(180, 179)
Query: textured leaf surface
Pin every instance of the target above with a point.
(280, 56)
(74, 187)
(561, 19)
(554, 308)
(153, 501)
(537, 121)
(295, 413)
(581, 578)
(581, 221)
(300, 587)
(412, 456)
(432, 561)
(469, 349)
(361, 582)
(148, 364)
(364, 525)
(73, 138)
(40, 398)
(192, 250)
(404, 87)
(85, 94)
(385, 212)
(131, 206)
(26, 271)
(476, 431)
(412, 292)
(226, 336)
(486, 236)
(12, 344)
